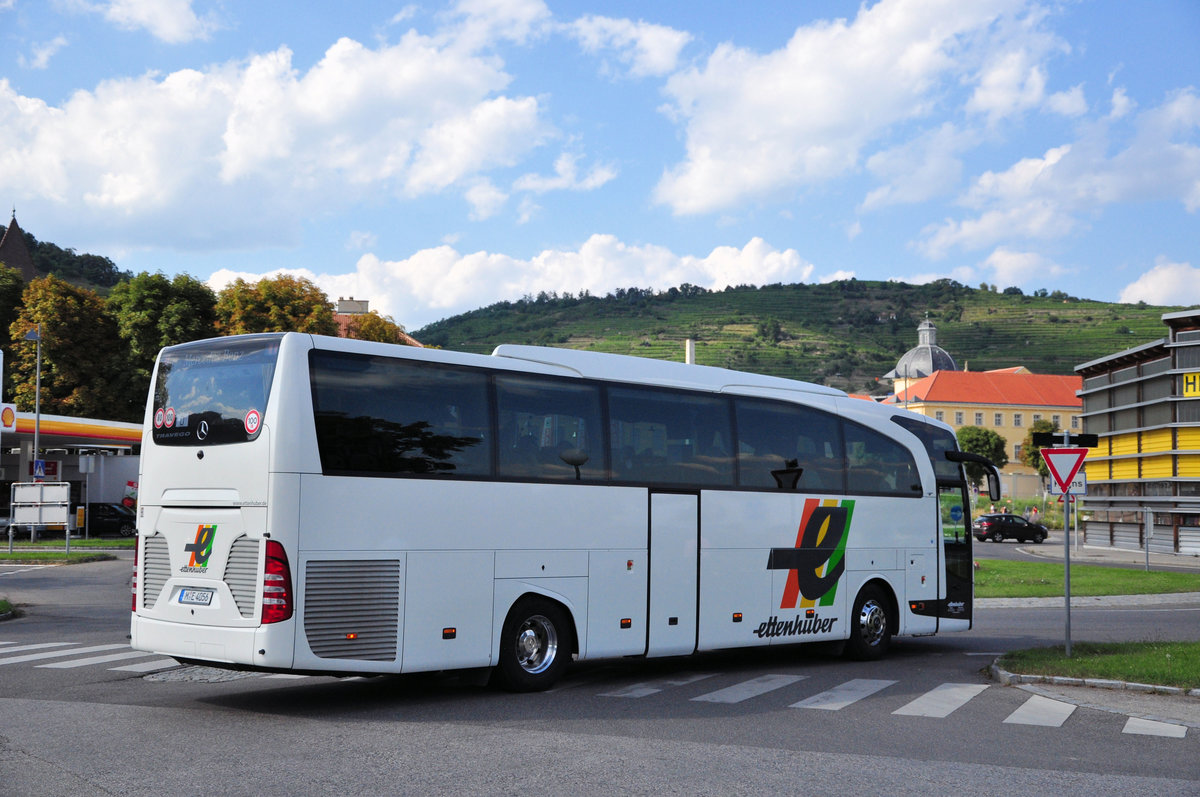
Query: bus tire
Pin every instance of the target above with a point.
(535, 646)
(870, 625)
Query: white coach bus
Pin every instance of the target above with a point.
(312, 504)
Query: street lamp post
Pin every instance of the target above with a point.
(36, 335)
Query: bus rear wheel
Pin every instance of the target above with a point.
(870, 625)
(535, 646)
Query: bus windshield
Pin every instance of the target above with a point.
(215, 392)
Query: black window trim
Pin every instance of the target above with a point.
(606, 477)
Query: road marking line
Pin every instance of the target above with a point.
(129, 654)
(748, 689)
(1043, 711)
(147, 666)
(58, 653)
(38, 646)
(651, 687)
(941, 701)
(1154, 728)
(843, 695)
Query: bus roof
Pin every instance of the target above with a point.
(598, 365)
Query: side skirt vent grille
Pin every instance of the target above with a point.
(352, 608)
(155, 570)
(241, 574)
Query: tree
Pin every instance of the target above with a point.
(986, 443)
(12, 288)
(85, 368)
(279, 304)
(373, 326)
(153, 312)
(1031, 455)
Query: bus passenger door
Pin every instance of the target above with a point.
(674, 573)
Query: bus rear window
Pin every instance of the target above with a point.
(214, 392)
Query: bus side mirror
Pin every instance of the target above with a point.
(993, 480)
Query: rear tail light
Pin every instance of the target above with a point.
(133, 584)
(277, 585)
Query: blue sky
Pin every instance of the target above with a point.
(436, 158)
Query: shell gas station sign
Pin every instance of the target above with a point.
(8, 418)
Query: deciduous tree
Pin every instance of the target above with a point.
(1031, 455)
(85, 368)
(278, 304)
(373, 326)
(986, 443)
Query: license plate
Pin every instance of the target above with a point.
(195, 597)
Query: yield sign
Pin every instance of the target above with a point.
(1063, 464)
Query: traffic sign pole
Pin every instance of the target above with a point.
(1064, 465)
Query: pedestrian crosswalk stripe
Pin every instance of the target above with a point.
(843, 695)
(941, 701)
(1154, 728)
(652, 687)
(748, 689)
(58, 653)
(147, 666)
(39, 646)
(129, 654)
(1043, 711)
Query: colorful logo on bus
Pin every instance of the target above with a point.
(200, 549)
(815, 566)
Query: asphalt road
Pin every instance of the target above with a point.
(785, 719)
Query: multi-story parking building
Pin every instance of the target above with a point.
(1144, 404)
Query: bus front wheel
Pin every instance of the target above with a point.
(535, 646)
(870, 625)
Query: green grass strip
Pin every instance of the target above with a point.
(94, 542)
(998, 578)
(1159, 663)
(53, 557)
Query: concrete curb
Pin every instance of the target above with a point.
(1032, 682)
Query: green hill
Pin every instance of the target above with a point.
(845, 334)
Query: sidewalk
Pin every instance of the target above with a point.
(1095, 554)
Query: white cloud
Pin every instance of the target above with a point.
(482, 22)
(1068, 103)
(759, 125)
(42, 53)
(1057, 194)
(171, 21)
(1011, 268)
(361, 240)
(917, 170)
(1121, 104)
(1009, 86)
(412, 118)
(485, 199)
(437, 282)
(841, 274)
(1167, 283)
(566, 177)
(646, 49)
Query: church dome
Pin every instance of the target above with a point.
(923, 359)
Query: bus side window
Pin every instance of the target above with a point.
(549, 429)
(387, 416)
(665, 437)
(878, 465)
(774, 436)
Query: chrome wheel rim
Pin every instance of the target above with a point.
(537, 644)
(872, 623)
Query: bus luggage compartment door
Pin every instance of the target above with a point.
(674, 573)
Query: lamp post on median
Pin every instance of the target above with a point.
(36, 335)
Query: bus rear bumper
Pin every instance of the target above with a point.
(262, 646)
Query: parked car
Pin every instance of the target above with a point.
(999, 527)
(111, 519)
